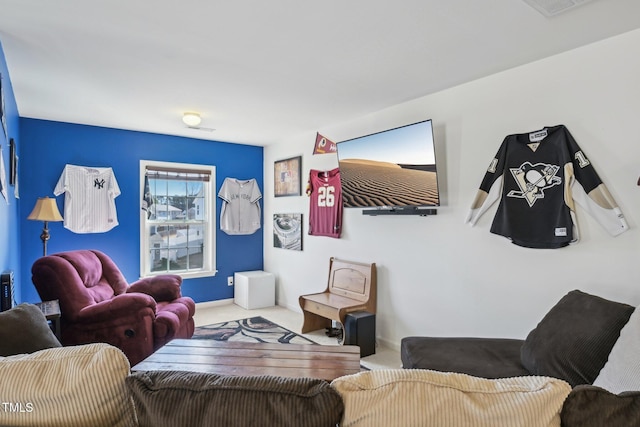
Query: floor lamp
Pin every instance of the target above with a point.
(45, 210)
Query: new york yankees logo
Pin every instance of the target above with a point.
(98, 183)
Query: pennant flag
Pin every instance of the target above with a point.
(324, 145)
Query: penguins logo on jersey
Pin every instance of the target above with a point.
(533, 180)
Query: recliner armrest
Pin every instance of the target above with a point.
(165, 287)
(120, 306)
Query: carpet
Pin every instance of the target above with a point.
(253, 329)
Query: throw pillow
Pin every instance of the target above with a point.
(574, 339)
(622, 370)
(591, 406)
(24, 329)
(420, 397)
(75, 386)
(172, 398)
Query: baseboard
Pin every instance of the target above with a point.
(388, 344)
(294, 308)
(209, 304)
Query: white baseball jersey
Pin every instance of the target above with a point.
(89, 201)
(240, 213)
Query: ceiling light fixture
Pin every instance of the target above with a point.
(191, 119)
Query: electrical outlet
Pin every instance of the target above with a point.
(230, 281)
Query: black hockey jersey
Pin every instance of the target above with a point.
(538, 176)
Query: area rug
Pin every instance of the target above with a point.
(253, 329)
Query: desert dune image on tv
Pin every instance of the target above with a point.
(394, 168)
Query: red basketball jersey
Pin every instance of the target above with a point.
(325, 203)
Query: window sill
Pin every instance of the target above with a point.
(185, 276)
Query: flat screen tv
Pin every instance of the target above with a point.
(393, 170)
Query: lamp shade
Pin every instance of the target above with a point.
(45, 209)
(191, 119)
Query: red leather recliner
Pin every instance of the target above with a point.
(98, 305)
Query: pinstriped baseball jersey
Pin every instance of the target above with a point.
(89, 201)
(240, 213)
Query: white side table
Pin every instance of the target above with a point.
(254, 289)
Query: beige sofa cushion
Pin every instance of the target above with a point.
(66, 386)
(416, 397)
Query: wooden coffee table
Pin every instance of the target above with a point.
(244, 358)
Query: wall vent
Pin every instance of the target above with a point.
(555, 7)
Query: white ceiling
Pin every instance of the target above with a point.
(260, 72)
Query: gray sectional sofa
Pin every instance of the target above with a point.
(91, 385)
(573, 342)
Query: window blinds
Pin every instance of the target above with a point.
(177, 174)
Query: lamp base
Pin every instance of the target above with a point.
(44, 237)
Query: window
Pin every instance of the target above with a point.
(177, 231)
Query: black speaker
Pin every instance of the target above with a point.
(6, 290)
(360, 330)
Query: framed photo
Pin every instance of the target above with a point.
(13, 163)
(3, 113)
(287, 177)
(287, 231)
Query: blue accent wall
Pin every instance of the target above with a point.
(9, 209)
(48, 146)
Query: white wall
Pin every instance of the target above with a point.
(440, 277)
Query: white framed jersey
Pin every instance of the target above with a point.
(539, 177)
(89, 201)
(325, 203)
(240, 212)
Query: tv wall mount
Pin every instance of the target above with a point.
(410, 210)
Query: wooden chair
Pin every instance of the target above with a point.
(351, 287)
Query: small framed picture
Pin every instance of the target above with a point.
(287, 231)
(13, 163)
(287, 176)
(3, 110)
